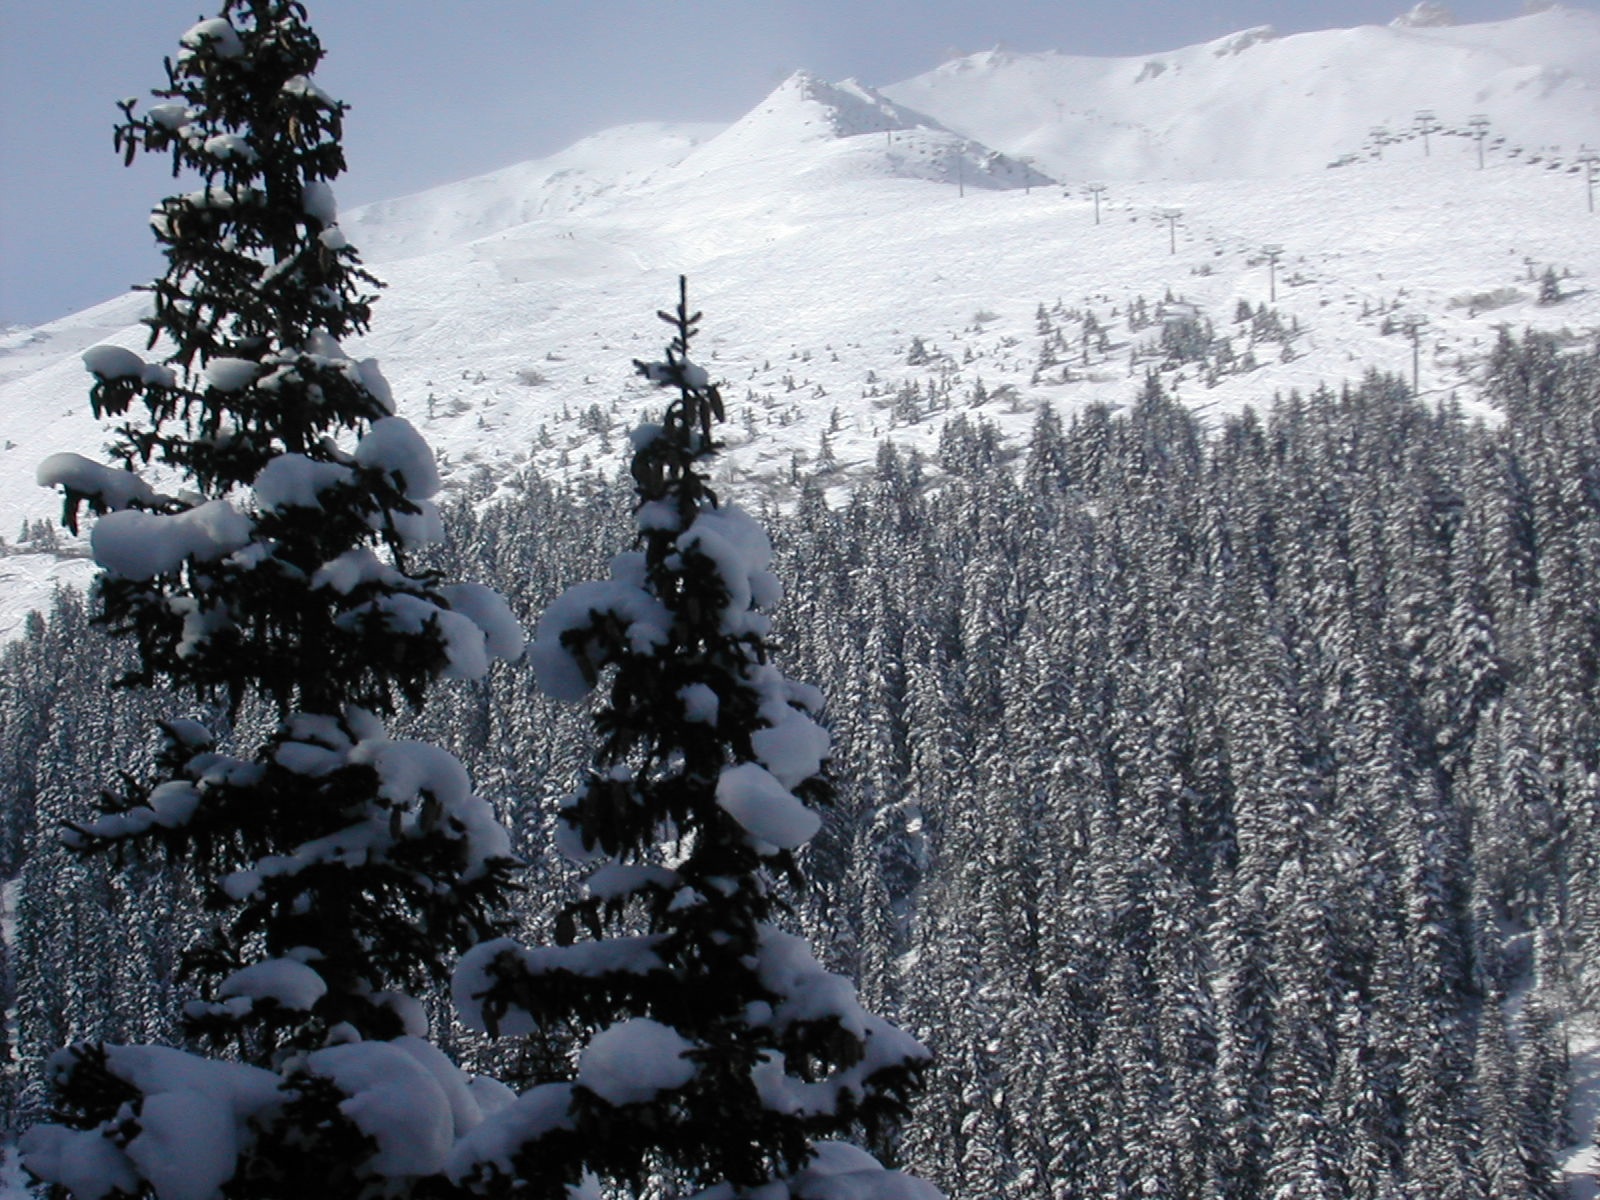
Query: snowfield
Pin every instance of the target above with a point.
(873, 262)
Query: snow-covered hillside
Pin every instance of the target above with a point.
(872, 263)
(1255, 104)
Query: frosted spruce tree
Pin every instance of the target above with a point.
(696, 1047)
(341, 868)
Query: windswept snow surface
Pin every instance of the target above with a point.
(586, 176)
(1255, 104)
(848, 247)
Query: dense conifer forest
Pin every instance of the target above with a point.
(1220, 806)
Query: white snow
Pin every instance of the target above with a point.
(218, 34)
(1217, 111)
(354, 568)
(616, 880)
(230, 146)
(738, 548)
(141, 545)
(187, 1145)
(790, 971)
(396, 1100)
(173, 803)
(464, 649)
(289, 984)
(563, 674)
(554, 266)
(113, 362)
(634, 1061)
(82, 1161)
(486, 608)
(394, 445)
(412, 773)
(194, 1113)
(116, 489)
(169, 114)
(532, 1115)
(840, 1171)
(318, 200)
(296, 481)
(231, 374)
(764, 808)
(480, 966)
(793, 747)
(301, 86)
(700, 703)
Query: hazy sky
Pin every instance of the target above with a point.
(444, 89)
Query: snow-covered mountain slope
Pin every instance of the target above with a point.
(809, 127)
(597, 170)
(852, 295)
(1255, 104)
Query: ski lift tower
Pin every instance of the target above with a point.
(1171, 217)
(1427, 125)
(1479, 124)
(1589, 160)
(1097, 190)
(1414, 324)
(1274, 252)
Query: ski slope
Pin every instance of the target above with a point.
(849, 245)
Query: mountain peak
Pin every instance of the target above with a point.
(1425, 14)
(1238, 43)
(816, 108)
(827, 126)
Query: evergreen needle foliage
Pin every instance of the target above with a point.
(709, 1048)
(338, 867)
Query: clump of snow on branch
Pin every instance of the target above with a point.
(535, 1114)
(632, 1061)
(296, 481)
(487, 609)
(193, 1121)
(840, 1171)
(215, 35)
(196, 1116)
(396, 1101)
(764, 808)
(231, 374)
(393, 445)
(493, 962)
(115, 489)
(569, 642)
(285, 982)
(422, 789)
(118, 362)
(316, 197)
(142, 545)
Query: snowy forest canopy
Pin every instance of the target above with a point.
(1220, 808)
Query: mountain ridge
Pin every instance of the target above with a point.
(1200, 112)
(854, 293)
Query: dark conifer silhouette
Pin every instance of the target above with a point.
(340, 867)
(711, 1050)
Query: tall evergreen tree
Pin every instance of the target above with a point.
(710, 1049)
(339, 866)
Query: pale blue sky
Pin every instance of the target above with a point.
(444, 89)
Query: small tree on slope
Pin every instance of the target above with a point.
(708, 1050)
(341, 867)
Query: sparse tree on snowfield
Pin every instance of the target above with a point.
(342, 867)
(712, 1055)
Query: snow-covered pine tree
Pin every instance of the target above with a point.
(706, 1051)
(341, 867)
